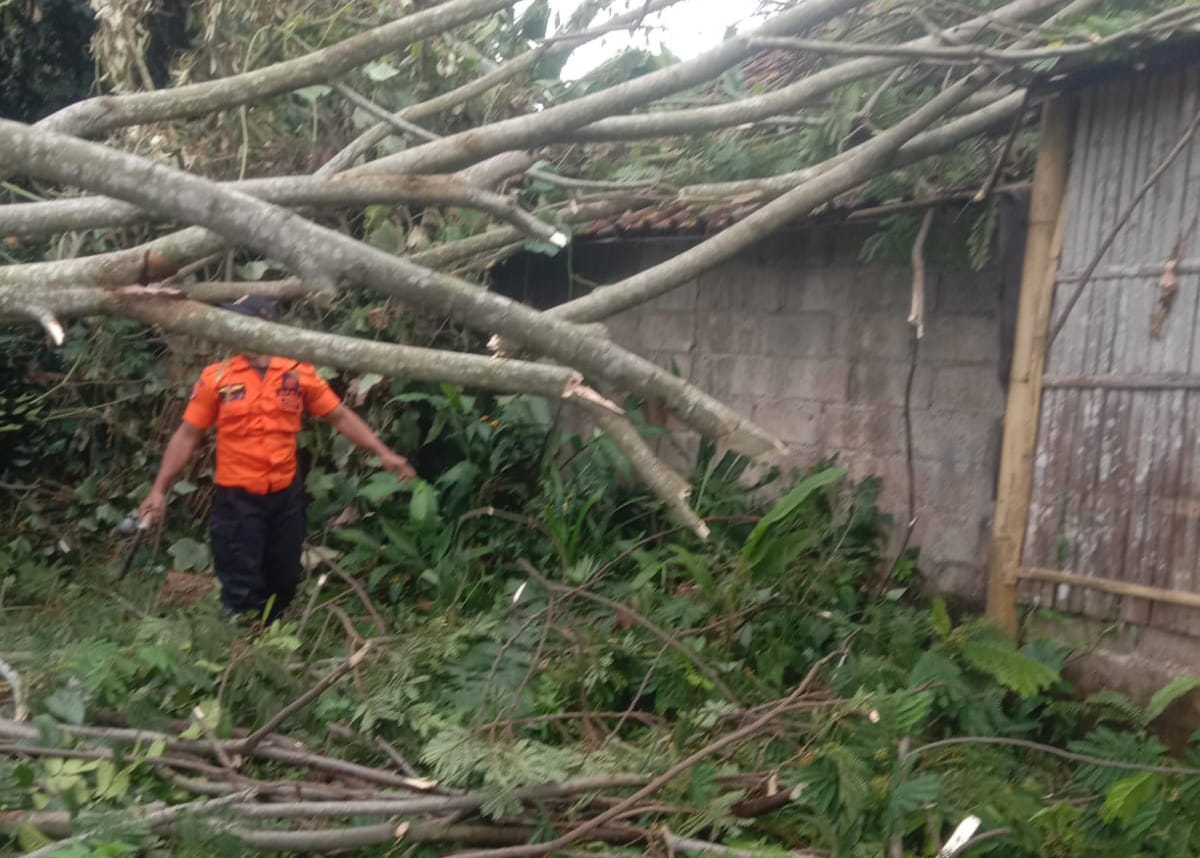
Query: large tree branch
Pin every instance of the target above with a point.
(47, 218)
(871, 158)
(317, 254)
(220, 292)
(789, 98)
(561, 46)
(174, 313)
(144, 263)
(459, 150)
(663, 480)
(923, 145)
(96, 116)
(590, 826)
(497, 238)
(151, 261)
(166, 255)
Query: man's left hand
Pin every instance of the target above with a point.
(396, 464)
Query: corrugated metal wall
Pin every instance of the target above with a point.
(1116, 490)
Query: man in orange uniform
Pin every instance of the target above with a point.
(257, 526)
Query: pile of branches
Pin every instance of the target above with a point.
(979, 61)
(778, 687)
(310, 805)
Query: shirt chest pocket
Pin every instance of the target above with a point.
(233, 411)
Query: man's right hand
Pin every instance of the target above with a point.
(152, 508)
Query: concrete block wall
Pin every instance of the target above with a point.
(815, 346)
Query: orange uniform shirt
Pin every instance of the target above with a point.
(257, 418)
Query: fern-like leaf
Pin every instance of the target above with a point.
(935, 669)
(1113, 745)
(852, 785)
(1010, 667)
(909, 710)
(979, 242)
(909, 797)
(1118, 704)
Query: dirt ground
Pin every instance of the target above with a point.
(184, 588)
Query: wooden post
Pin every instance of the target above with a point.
(1043, 243)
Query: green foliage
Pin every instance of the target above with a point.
(476, 688)
(1011, 668)
(1168, 694)
(1127, 796)
(753, 551)
(189, 553)
(46, 64)
(983, 233)
(481, 688)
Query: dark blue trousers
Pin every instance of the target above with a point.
(256, 546)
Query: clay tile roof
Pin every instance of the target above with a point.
(673, 218)
(775, 69)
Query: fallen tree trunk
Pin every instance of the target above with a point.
(317, 254)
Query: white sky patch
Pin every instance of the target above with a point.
(686, 29)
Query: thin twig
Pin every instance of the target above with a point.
(644, 717)
(896, 844)
(962, 53)
(359, 591)
(393, 831)
(629, 710)
(634, 616)
(397, 122)
(590, 826)
(312, 600)
(218, 749)
(193, 267)
(1002, 157)
(396, 757)
(347, 623)
(486, 694)
(516, 518)
(277, 753)
(535, 659)
(252, 741)
(1086, 759)
(864, 112)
